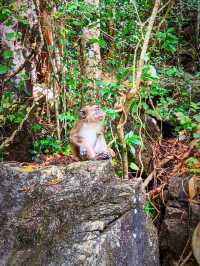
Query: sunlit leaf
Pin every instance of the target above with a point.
(196, 136)
(132, 149)
(134, 166)
(197, 118)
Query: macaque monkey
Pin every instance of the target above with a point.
(196, 243)
(88, 136)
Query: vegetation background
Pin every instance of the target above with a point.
(139, 60)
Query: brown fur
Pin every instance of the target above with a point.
(88, 134)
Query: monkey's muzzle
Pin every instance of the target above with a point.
(99, 115)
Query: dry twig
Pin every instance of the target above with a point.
(153, 173)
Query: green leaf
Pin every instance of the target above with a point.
(197, 118)
(18, 35)
(102, 43)
(5, 13)
(3, 69)
(149, 209)
(146, 58)
(67, 150)
(7, 54)
(191, 161)
(134, 166)
(68, 117)
(196, 136)
(170, 30)
(10, 36)
(132, 149)
(36, 128)
(111, 113)
(132, 139)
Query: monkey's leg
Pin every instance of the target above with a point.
(91, 153)
(82, 151)
(87, 152)
(103, 156)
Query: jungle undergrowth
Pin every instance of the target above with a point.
(120, 34)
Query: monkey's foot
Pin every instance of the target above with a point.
(103, 156)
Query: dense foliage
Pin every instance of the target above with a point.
(166, 92)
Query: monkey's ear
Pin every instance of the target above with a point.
(83, 114)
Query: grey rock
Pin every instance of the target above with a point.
(181, 217)
(88, 218)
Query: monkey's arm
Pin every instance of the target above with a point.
(85, 151)
(101, 148)
(75, 138)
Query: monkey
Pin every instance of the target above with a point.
(88, 134)
(196, 243)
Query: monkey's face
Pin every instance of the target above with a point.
(92, 113)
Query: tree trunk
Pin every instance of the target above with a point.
(91, 53)
(21, 48)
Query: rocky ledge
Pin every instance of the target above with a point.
(79, 214)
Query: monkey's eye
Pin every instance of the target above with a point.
(82, 114)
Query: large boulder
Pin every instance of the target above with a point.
(78, 214)
(181, 217)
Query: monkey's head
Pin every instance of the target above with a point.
(92, 113)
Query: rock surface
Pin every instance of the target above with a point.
(73, 215)
(181, 218)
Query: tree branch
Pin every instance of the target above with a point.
(134, 91)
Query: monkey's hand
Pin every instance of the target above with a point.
(83, 151)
